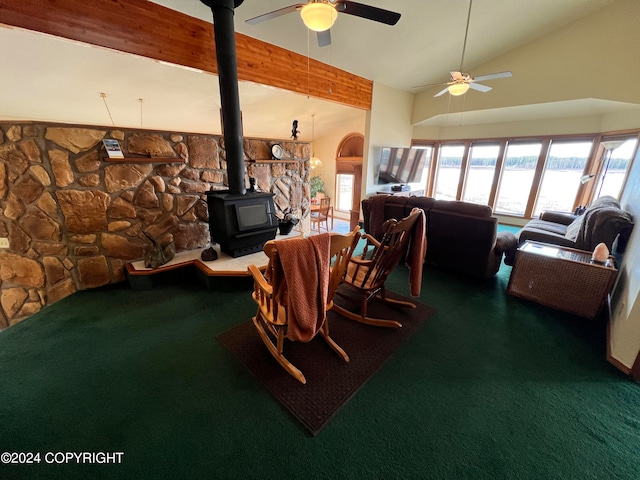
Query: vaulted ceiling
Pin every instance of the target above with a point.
(51, 79)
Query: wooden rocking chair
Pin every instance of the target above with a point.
(272, 317)
(366, 276)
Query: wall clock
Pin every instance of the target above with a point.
(277, 151)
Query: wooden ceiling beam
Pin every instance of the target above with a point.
(150, 30)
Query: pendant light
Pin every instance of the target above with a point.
(315, 161)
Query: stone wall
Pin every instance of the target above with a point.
(74, 219)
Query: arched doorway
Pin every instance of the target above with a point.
(349, 176)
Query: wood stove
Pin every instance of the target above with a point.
(240, 222)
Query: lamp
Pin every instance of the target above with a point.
(609, 146)
(458, 89)
(318, 16)
(314, 161)
(585, 178)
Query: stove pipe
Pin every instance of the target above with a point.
(224, 33)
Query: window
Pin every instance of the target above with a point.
(567, 171)
(428, 153)
(344, 191)
(448, 175)
(566, 162)
(482, 165)
(517, 177)
(616, 160)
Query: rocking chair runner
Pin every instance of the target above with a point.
(367, 276)
(272, 320)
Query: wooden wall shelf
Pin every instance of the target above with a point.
(145, 160)
(284, 160)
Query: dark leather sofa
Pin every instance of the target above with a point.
(461, 236)
(603, 221)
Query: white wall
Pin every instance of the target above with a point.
(326, 149)
(625, 321)
(388, 125)
(593, 58)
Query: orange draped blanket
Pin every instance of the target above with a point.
(304, 284)
(416, 253)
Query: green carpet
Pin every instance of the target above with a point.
(330, 381)
(491, 387)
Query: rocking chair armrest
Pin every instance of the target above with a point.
(361, 261)
(371, 240)
(261, 282)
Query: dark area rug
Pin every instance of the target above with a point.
(330, 381)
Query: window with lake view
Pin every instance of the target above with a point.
(517, 177)
(482, 166)
(524, 177)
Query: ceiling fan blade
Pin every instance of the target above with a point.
(324, 38)
(442, 92)
(367, 11)
(274, 14)
(479, 87)
(492, 76)
(430, 85)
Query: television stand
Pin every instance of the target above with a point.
(404, 193)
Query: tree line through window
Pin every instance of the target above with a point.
(526, 177)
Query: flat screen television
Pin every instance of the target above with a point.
(401, 165)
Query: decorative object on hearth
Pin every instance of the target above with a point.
(209, 254)
(461, 82)
(320, 15)
(157, 254)
(287, 221)
(284, 228)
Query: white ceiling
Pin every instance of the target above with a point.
(50, 79)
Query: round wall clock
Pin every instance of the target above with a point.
(277, 151)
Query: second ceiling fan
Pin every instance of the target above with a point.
(461, 82)
(320, 15)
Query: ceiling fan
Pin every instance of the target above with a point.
(320, 15)
(461, 82)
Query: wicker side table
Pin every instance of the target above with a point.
(561, 278)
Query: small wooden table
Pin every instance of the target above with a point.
(139, 276)
(562, 278)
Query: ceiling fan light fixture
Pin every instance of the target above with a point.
(458, 89)
(318, 16)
